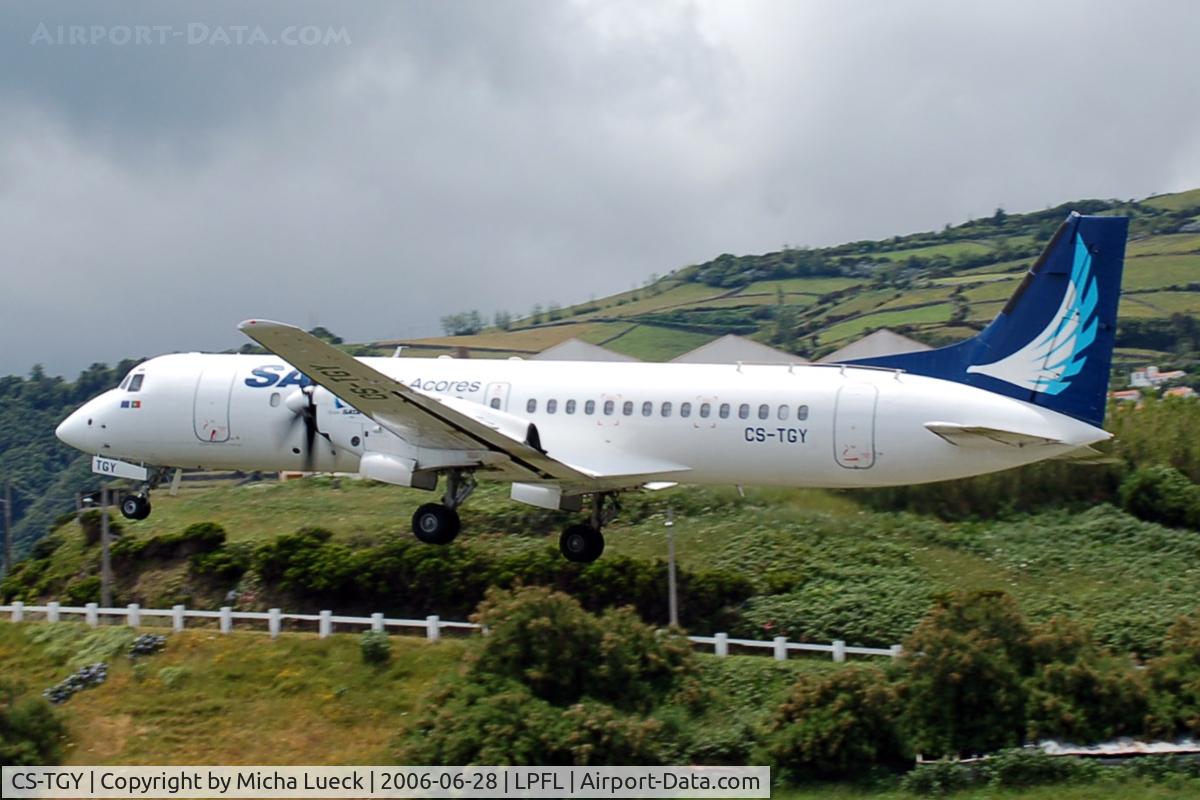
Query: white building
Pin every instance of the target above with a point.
(880, 343)
(579, 350)
(736, 349)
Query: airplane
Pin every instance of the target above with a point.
(1031, 386)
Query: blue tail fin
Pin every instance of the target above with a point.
(1052, 343)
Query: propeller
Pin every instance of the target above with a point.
(303, 404)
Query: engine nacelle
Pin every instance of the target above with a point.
(516, 428)
(396, 470)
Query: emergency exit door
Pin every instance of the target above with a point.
(854, 426)
(210, 412)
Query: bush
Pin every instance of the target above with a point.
(834, 723)
(1023, 767)
(937, 778)
(1162, 494)
(546, 641)
(81, 591)
(376, 647)
(30, 730)
(1174, 679)
(1079, 692)
(198, 538)
(966, 659)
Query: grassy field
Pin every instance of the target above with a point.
(1177, 201)
(1152, 272)
(852, 328)
(656, 343)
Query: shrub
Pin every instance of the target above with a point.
(376, 647)
(172, 676)
(1079, 692)
(546, 641)
(834, 723)
(964, 691)
(1022, 767)
(30, 730)
(1174, 679)
(1162, 494)
(81, 591)
(937, 778)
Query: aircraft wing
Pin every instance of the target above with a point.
(427, 422)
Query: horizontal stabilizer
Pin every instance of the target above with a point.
(1087, 455)
(978, 435)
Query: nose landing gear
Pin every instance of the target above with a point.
(135, 506)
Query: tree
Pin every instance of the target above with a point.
(324, 333)
(502, 320)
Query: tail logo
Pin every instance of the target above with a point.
(1048, 362)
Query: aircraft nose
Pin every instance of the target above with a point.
(75, 430)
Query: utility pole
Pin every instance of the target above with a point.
(105, 563)
(8, 527)
(672, 598)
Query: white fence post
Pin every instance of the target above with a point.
(274, 622)
(177, 618)
(133, 615)
(377, 622)
(721, 644)
(433, 628)
(839, 650)
(326, 624)
(780, 648)
(18, 611)
(52, 612)
(91, 614)
(897, 650)
(226, 619)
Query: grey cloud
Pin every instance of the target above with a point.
(496, 155)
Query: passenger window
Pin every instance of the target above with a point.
(589, 407)
(531, 405)
(608, 408)
(685, 409)
(705, 410)
(723, 412)
(647, 408)
(570, 408)
(764, 411)
(135, 383)
(495, 402)
(744, 411)
(627, 408)
(802, 413)
(666, 409)
(275, 399)
(783, 412)
(551, 406)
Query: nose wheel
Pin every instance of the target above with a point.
(135, 507)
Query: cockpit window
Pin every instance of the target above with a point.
(124, 382)
(135, 383)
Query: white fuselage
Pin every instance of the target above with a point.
(803, 425)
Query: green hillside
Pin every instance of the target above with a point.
(935, 286)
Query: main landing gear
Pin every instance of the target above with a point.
(438, 523)
(583, 543)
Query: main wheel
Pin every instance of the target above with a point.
(434, 523)
(581, 543)
(135, 506)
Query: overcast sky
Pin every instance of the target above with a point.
(423, 158)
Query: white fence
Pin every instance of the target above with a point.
(432, 625)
